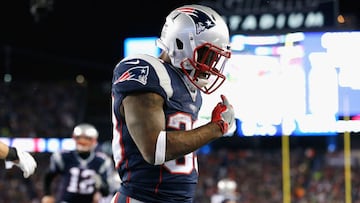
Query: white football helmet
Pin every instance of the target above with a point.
(196, 39)
(85, 136)
(226, 186)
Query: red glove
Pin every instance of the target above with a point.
(223, 115)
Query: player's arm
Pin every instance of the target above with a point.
(4, 150)
(104, 187)
(49, 176)
(103, 177)
(145, 119)
(48, 179)
(19, 158)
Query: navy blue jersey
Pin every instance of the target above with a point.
(79, 176)
(175, 180)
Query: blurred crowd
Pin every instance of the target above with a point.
(315, 177)
(33, 109)
(51, 110)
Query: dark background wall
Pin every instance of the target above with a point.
(81, 35)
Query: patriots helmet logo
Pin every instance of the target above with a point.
(201, 19)
(137, 73)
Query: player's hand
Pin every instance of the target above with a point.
(223, 115)
(98, 181)
(26, 163)
(101, 185)
(48, 199)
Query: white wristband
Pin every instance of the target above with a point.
(160, 148)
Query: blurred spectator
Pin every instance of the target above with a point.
(35, 109)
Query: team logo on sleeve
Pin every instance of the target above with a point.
(138, 73)
(202, 20)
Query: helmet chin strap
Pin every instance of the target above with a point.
(201, 82)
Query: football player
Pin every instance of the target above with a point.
(227, 192)
(83, 172)
(156, 102)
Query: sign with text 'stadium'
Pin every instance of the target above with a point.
(276, 15)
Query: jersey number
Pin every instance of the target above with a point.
(181, 121)
(81, 181)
